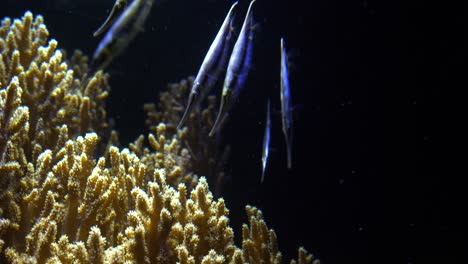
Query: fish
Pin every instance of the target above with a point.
(120, 34)
(286, 110)
(266, 141)
(238, 68)
(117, 9)
(211, 67)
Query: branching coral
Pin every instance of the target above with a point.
(64, 201)
(42, 105)
(168, 154)
(207, 157)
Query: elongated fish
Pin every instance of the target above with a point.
(286, 110)
(238, 68)
(121, 33)
(214, 61)
(117, 9)
(266, 141)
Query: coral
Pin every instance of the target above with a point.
(42, 105)
(207, 156)
(68, 196)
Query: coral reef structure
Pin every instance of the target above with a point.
(67, 195)
(207, 155)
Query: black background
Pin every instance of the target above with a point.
(373, 83)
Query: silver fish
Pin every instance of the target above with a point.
(266, 141)
(286, 110)
(214, 61)
(117, 9)
(238, 68)
(121, 33)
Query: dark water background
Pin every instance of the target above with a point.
(371, 179)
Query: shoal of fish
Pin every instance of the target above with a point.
(125, 21)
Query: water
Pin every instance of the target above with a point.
(362, 147)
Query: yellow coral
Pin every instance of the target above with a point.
(205, 155)
(42, 105)
(64, 201)
(166, 152)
